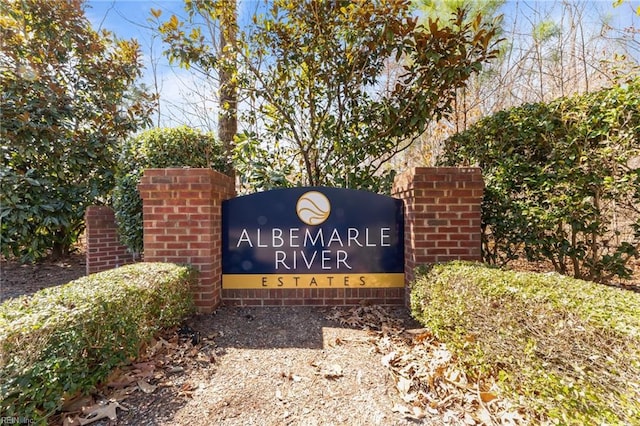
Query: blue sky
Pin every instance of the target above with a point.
(130, 19)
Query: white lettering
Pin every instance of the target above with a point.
(335, 237)
(310, 261)
(366, 238)
(326, 258)
(342, 258)
(291, 238)
(280, 258)
(353, 234)
(244, 236)
(307, 237)
(258, 238)
(276, 237)
(384, 235)
(293, 235)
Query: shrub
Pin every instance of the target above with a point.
(562, 181)
(68, 95)
(156, 148)
(567, 350)
(63, 340)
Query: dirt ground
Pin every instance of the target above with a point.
(17, 279)
(270, 366)
(273, 366)
(278, 366)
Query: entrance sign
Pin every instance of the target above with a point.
(313, 237)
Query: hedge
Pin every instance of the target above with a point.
(562, 182)
(566, 351)
(63, 340)
(157, 148)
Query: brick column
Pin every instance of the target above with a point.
(442, 214)
(104, 250)
(183, 224)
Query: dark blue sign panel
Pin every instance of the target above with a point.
(312, 237)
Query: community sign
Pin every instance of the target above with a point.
(313, 237)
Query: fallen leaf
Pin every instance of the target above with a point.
(78, 403)
(419, 413)
(469, 420)
(399, 408)
(487, 396)
(146, 387)
(423, 337)
(119, 379)
(187, 389)
(333, 373)
(484, 416)
(71, 421)
(404, 384)
(98, 412)
(122, 394)
(386, 360)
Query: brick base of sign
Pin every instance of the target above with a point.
(103, 248)
(314, 297)
(442, 215)
(182, 224)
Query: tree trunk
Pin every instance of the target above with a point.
(228, 115)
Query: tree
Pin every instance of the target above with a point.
(210, 47)
(66, 100)
(551, 49)
(618, 3)
(313, 76)
(562, 181)
(468, 102)
(157, 148)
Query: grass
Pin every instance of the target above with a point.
(567, 351)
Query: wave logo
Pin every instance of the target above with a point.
(313, 208)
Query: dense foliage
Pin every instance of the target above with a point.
(156, 148)
(64, 340)
(323, 107)
(562, 181)
(66, 101)
(565, 351)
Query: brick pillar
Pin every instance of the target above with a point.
(104, 250)
(442, 215)
(183, 224)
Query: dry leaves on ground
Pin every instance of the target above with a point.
(371, 371)
(432, 386)
(158, 366)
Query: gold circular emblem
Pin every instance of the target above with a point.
(313, 208)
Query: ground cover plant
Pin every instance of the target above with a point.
(63, 340)
(566, 350)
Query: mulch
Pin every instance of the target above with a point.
(365, 365)
(280, 366)
(18, 279)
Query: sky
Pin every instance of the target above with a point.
(131, 19)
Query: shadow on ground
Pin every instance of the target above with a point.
(273, 327)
